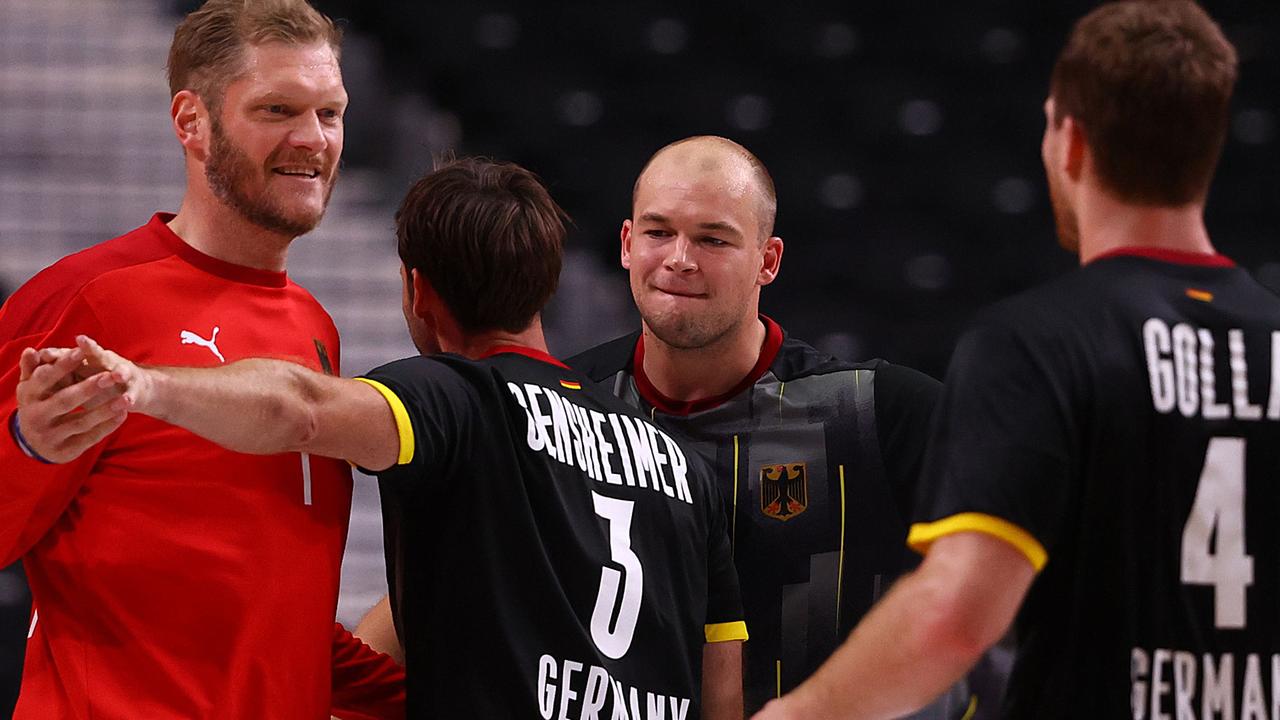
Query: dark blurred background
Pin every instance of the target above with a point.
(903, 138)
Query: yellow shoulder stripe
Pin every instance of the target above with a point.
(723, 632)
(922, 535)
(403, 426)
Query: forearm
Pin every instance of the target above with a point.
(906, 652)
(261, 406)
(923, 636)
(253, 406)
(722, 681)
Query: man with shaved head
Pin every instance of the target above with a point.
(816, 456)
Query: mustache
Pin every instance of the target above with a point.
(307, 160)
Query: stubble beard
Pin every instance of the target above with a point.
(686, 332)
(230, 173)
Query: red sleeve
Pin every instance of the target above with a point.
(367, 685)
(33, 494)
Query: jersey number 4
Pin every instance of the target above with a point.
(1219, 510)
(614, 638)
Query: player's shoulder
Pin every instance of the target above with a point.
(798, 359)
(302, 299)
(1103, 294)
(557, 377)
(606, 359)
(40, 301)
(894, 385)
(1061, 308)
(438, 368)
(482, 377)
(441, 383)
(1075, 289)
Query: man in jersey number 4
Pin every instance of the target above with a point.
(1107, 444)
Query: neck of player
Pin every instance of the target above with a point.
(688, 374)
(1108, 224)
(476, 345)
(208, 225)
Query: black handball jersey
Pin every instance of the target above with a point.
(549, 552)
(818, 459)
(1121, 427)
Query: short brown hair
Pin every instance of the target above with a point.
(488, 237)
(1149, 81)
(208, 46)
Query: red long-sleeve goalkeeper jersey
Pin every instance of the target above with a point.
(172, 578)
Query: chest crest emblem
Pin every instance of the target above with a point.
(784, 490)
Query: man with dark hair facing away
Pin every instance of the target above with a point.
(1105, 453)
(171, 578)
(550, 552)
(816, 456)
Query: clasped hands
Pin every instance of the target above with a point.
(69, 399)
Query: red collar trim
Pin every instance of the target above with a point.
(1170, 256)
(768, 351)
(208, 263)
(522, 350)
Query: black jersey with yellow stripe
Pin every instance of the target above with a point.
(1120, 427)
(817, 459)
(549, 550)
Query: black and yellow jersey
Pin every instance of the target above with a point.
(817, 458)
(549, 551)
(1121, 427)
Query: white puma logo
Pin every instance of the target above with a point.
(190, 338)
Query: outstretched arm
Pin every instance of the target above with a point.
(922, 637)
(261, 406)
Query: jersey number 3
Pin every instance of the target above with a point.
(614, 638)
(1219, 506)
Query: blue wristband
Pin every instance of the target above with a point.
(16, 432)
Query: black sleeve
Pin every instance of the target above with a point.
(724, 600)
(905, 401)
(434, 408)
(999, 459)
